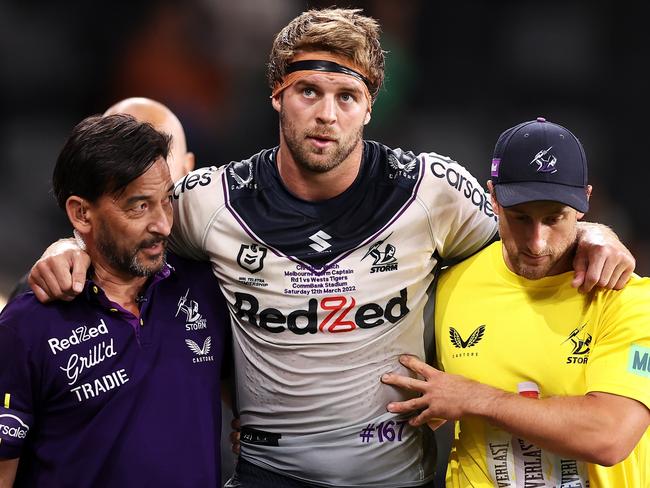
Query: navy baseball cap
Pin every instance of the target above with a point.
(539, 160)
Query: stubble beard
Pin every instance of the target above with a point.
(306, 157)
(527, 271)
(127, 261)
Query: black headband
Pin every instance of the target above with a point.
(320, 65)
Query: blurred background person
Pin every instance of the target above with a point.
(180, 161)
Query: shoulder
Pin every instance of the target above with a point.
(249, 174)
(29, 319)
(195, 274)
(470, 268)
(196, 181)
(191, 269)
(636, 293)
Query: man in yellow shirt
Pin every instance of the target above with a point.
(550, 387)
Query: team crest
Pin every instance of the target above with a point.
(251, 257)
(545, 162)
(190, 308)
(383, 259)
(581, 342)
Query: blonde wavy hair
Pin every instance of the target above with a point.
(341, 31)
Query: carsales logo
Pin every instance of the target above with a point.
(12, 426)
(338, 310)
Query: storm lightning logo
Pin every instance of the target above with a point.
(545, 164)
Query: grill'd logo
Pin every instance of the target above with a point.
(382, 260)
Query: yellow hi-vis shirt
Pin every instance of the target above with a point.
(498, 328)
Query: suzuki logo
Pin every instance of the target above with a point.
(320, 241)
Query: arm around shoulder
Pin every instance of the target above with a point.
(60, 273)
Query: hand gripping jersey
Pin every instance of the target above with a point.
(542, 331)
(324, 297)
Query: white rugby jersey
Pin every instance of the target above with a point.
(324, 297)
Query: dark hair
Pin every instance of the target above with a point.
(104, 154)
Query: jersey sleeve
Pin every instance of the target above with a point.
(619, 362)
(196, 199)
(461, 215)
(16, 389)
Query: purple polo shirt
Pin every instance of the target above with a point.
(92, 396)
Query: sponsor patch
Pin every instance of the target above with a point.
(259, 437)
(639, 362)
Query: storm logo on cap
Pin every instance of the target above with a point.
(545, 164)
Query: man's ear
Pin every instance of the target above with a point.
(277, 102)
(78, 212)
(588, 190)
(367, 118)
(189, 163)
(493, 198)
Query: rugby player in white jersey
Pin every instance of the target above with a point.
(326, 247)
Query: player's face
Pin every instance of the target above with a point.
(321, 119)
(131, 229)
(538, 237)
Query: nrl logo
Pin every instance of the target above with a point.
(242, 181)
(471, 341)
(251, 257)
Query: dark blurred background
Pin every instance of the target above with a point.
(458, 74)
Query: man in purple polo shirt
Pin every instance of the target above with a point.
(121, 386)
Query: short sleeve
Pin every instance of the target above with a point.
(16, 398)
(461, 214)
(196, 199)
(619, 362)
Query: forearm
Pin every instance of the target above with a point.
(595, 230)
(8, 469)
(589, 428)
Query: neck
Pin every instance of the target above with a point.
(313, 185)
(119, 288)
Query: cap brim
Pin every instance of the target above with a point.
(509, 194)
